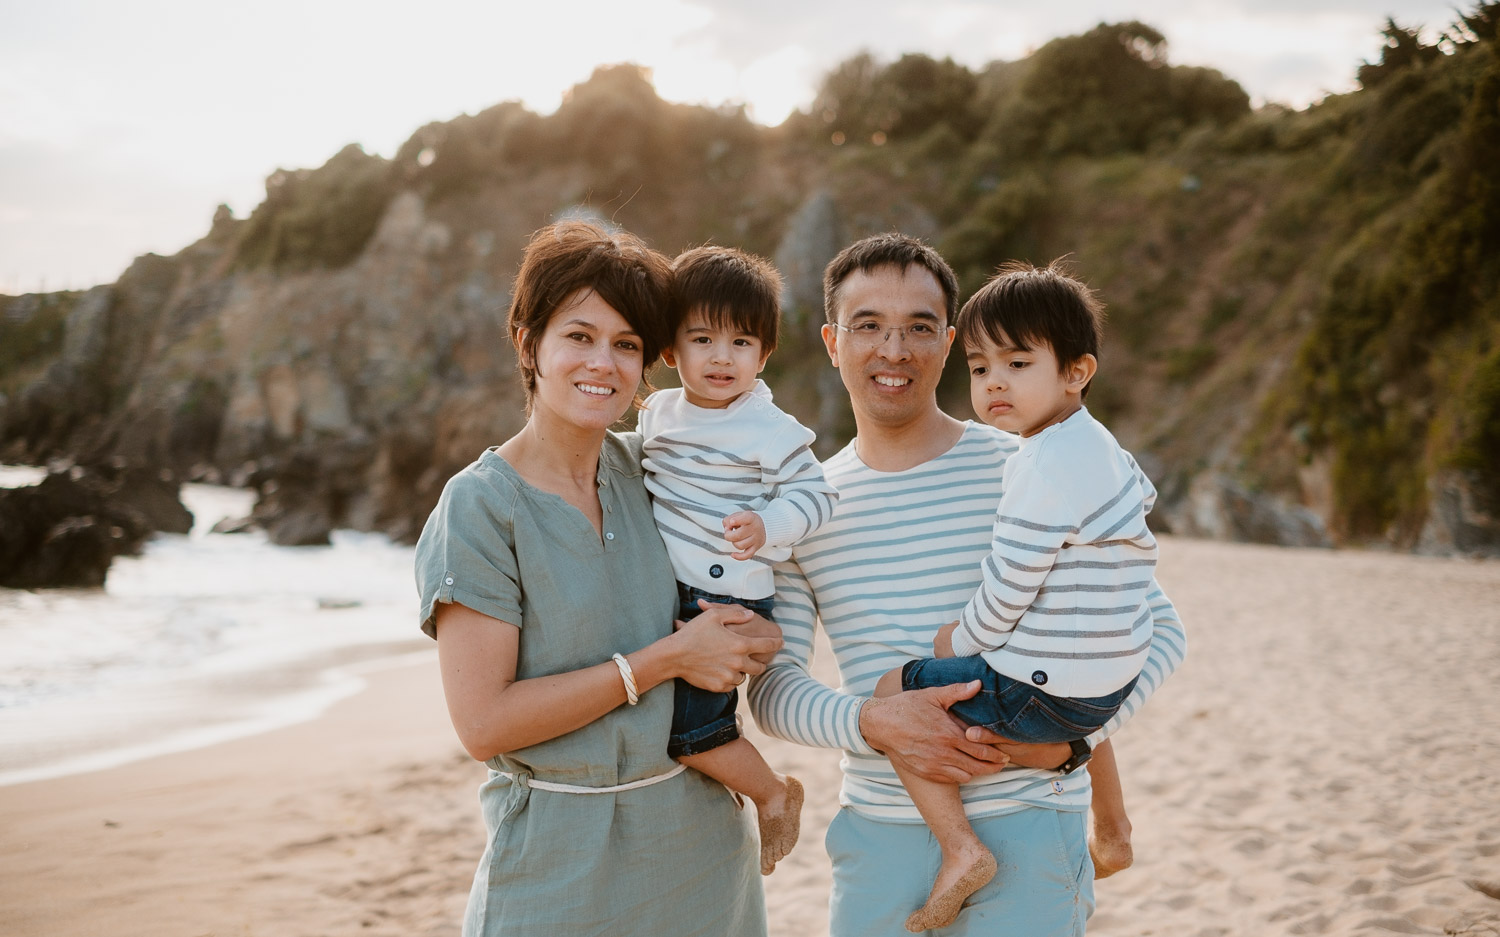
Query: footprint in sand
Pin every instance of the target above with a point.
(1413, 872)
(1317, 924)
(1311, 877)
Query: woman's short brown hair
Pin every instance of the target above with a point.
(569, 256)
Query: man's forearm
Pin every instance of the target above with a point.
(789, 703)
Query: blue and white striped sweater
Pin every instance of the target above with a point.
(900, 558)
(1063, 602)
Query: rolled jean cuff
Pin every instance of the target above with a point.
(705, 738)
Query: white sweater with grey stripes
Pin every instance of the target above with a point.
(703, 465)
(900, 559)
(1063, 603)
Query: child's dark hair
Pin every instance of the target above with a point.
(1023, 306)
(731, 290)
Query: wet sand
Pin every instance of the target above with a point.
(1324, 763)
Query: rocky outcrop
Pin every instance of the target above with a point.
(813, 237)
(1216, 506)
(1457, 519)
(66, 530)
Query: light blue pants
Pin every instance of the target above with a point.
(882, 872)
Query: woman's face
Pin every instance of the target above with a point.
(588, 364)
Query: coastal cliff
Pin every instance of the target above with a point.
(1303, 346)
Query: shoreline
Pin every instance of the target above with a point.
(323, 687)
(200, 638)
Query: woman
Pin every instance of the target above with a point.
(551, 597)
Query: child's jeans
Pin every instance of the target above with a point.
(702, 721)
(1012, 708)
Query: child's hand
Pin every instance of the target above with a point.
(746, 532)
(942, 645)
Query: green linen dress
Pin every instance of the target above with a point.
(673, 859)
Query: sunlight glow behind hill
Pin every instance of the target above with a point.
(123, 125)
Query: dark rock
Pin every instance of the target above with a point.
(1457, 519)
(1260, 518)
(65, 530)
(301, 529)
(296, 501)
(77, 551)
(1217, 506)
(813, 236)
(154, 495)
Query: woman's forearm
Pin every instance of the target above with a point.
(493, 712)
(529, 712)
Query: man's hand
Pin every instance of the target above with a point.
(746, 532)
(942, 645)
(1046, 755)
(915, 730)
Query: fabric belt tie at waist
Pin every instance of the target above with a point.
(527, 781)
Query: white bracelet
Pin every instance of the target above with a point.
(632, 695)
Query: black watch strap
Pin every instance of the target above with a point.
(1082, 752)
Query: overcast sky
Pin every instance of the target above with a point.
(123, 124)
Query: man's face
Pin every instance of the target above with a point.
(890, 342)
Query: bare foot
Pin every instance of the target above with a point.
(1111, 851)
(780, 822)
(956, 881)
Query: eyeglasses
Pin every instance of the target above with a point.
(871, 334)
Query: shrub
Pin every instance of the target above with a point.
(318, 218)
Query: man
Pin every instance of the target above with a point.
(901, 557)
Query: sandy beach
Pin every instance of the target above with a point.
(1324, 763)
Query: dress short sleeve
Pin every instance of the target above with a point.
(466, 553)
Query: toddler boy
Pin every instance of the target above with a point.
(1059, 629)
(733, 486)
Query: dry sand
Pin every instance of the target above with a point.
(1324, 763)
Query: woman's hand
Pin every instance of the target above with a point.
(744, 622)
(719, 648)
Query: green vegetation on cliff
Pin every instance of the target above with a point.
(1396, 378)
(319, 217)
(1304, 305)
(31, 331)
